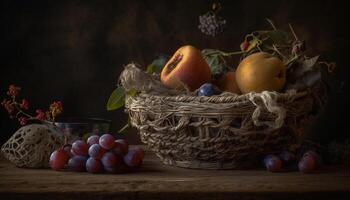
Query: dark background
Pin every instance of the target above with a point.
(73, 51)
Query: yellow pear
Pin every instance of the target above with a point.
(260, 72)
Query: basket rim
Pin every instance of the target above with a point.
(225, 97)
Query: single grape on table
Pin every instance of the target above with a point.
(316, 157)
(307, 164)
(273, 163)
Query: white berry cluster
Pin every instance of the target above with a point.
(210, 24)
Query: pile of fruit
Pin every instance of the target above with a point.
(97, 155)
(256, 73)
(194, 70)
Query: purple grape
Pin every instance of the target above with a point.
(110, 160)
(273, 163)
(121, 147)
(207, 89)
(316, 157)
(68, 149)
(134, 157)
(93, 165)
(141, 151)
(307, 164)
(107, 141)
(77, 163)
(58, 159)
(93, 140)
(96, 151)
(287, 157)
(79, 148)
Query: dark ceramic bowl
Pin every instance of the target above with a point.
(84, 127)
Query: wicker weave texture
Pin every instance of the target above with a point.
(220, 132)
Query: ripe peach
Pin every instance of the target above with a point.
(259, 72)
(227, 83)
(186, 68)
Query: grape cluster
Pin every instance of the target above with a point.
(211, 24)
(308, 163)
(97, 155)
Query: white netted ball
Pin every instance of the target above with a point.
(31, 145)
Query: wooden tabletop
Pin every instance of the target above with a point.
(157, 181)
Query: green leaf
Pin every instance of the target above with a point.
(117, 99)
(306, 66)
(157, 65)
(309, 63)
(131, 92)
(280, 37)
(216, 62)
(149, 69)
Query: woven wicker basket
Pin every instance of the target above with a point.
(220, 132)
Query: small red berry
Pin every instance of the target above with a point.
(13, 91)
(245, 45)
(24, 104)
(8, 106)
(56, 108)
(40, 114)
(23, 120)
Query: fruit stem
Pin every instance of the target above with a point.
(271, 23)
(226, 54)
(23, 113)
(288, 62)
(275, 48)
(292, 30)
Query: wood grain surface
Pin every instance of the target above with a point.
(156, 181)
